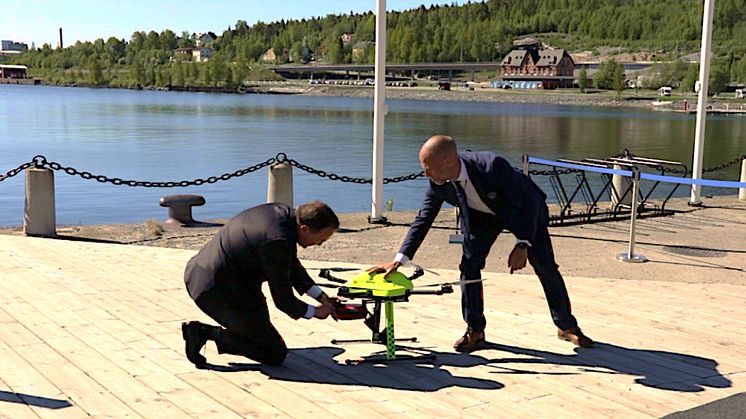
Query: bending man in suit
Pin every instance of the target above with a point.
(491, 196)
(225, 280)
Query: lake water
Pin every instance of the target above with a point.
(173, 136)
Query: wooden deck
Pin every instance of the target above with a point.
(93, 329)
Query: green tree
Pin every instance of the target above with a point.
(602, 77)
(177, 74)
(96, 73)
(719, 77)
(334, 51)
(582, 79)
(687, 85)
(617, 82)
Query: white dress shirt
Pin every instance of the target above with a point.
(472, 200)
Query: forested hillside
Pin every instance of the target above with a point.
(481, 31)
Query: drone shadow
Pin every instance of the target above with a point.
(317, 365)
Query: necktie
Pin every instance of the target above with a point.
(463, 209)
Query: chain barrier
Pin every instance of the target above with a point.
(41, 162)
(283, 158)
(10, 173)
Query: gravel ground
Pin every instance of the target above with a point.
(698, 245)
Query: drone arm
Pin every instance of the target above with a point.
(326, 274)
(444, 289)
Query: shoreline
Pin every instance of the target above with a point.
(693, 245)
(456, 94)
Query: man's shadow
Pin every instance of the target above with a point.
(317, 365)
(658, 369)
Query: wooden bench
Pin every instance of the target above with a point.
(180, 208)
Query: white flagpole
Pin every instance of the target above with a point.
(379, 112)
(704, 78)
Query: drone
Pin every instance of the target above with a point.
(374, 289)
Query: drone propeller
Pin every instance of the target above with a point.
(416, 266)
(470, 281)
(336, 269)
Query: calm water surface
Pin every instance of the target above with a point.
(173, 136)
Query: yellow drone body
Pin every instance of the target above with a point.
(396, 285)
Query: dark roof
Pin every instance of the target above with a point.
(549, 57)
(514, 58)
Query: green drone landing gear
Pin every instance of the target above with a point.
(384, 337)
(374, 288)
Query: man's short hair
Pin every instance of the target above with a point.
(317, 215)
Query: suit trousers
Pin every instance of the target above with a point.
(247, 330)
(485, 229)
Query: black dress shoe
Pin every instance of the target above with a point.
(195, 336)
(576, 336)
(472, 340)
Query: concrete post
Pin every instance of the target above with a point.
(621, 184)
(280, 184)
(39, 214)
(742, 191)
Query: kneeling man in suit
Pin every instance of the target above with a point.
(225, 280)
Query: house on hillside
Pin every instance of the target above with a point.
(347, 38)
(206, 39)
(534, 68)
(202, 54)
(182, 54)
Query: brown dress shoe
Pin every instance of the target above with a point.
(471, 340)
(576, 336)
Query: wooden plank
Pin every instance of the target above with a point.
(118, 331)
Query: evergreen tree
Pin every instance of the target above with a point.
(582, 79)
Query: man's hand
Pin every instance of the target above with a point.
(388, 268)
(517, 259)
(323, 311)
(326, 300)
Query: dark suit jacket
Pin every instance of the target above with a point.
(519, 205)
(257, 245)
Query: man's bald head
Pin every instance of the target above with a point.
(439, 158)
(438, 146)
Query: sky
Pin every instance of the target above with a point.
(38, 21)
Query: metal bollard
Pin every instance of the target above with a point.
(280, 184)
(620, 185)
(630, 255)
(39, 217)
(742, 191)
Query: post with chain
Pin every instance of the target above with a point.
(39, 218)
(280, 183)
(742, 191)
(630, 255)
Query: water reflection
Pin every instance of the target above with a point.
(161, 136)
